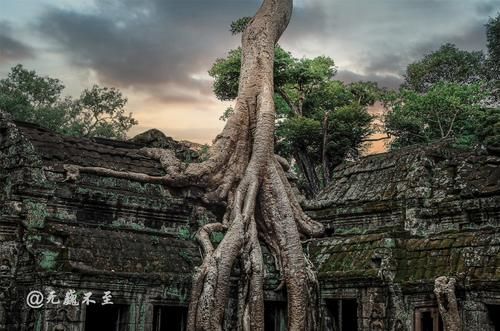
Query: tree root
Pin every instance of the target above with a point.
(243, 171)
(444, 289)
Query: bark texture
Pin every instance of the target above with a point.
(444, 289)
(260, 204)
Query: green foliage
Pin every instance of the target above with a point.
(216, 237)
(226, 74)
(348, 126)
(299, 133)
(48, 260)
(99, 111)
(32, 98)
(239, 25)
(447, 110)
(184, 233)
(35, 214)
(304, 95)
(450, 93)
(493, 45)
(489, 128)
(227, 113)
(448, 64)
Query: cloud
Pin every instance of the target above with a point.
(488, 7)
(388, 81)
(161, 44)
(11, 49)
(146, 43)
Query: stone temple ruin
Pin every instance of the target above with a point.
(402, 219)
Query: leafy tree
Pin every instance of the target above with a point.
(493, 45)
(32, 98)
(493, 61)
(447, 110)
(448, 64)
(101, 113)
(450, 93)
(239, 25)
(243, 169)
(306, 98)
(98, 111)
(489, 129)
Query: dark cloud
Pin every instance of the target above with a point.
(11, 49)
(143, 43)
(488, 7)
(385, 67)
(387, 81)
(160, 44)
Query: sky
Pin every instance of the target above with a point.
(158, 52)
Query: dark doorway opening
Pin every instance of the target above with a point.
(494, 315)
(169, 318)
(428, 319)
(107, 317)
(342, 315)
(275, 316)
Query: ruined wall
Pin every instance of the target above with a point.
(404, 219)
(401, 219)
(89, 233)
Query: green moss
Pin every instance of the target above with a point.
(33, 237)
(142, 317)
(177, 293)
(120, 223)
(390, 243)
(35, 214)
(216, 237)
(184, 233)
(38, 321)
(7, 187)
(132, 317)
(186, 256)
(48, 260)
(63, 215)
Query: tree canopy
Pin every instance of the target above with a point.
(449, 94)
(99, 111)
(447, 110)
(448, 64)
(493, 45)
(321, 121)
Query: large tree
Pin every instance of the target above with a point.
(493, 45)
(448, 64)
(99, 111)
(243, 171)
(446, 111)
(261, 204)
(321, 121)
(449, 94)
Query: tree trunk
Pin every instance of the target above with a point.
(243, 171)
(307, 167)
(444, 289)
(261, 204)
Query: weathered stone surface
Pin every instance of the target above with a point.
(89, 234)
(402, 220)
